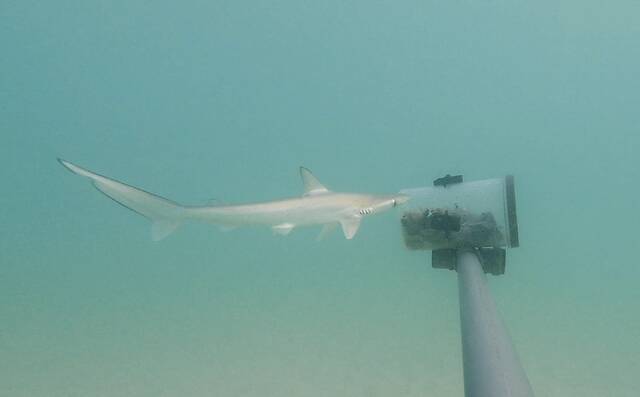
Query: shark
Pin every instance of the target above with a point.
(317, 206)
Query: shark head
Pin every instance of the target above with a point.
(387, 202)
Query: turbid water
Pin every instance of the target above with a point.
(198, 100)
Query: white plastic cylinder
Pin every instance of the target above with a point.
(491, 364)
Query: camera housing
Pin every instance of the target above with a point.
(453, 214)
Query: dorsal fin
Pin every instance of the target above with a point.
(311, 183)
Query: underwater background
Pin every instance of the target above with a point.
(225, 99)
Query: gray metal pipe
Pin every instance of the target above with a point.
(491, 364)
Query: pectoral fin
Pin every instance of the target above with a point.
(350, 227)
(283, 228)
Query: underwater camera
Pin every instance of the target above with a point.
(468, 227)
(452, 214)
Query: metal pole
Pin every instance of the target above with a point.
(491, 365)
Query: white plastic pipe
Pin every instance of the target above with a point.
(491, 364)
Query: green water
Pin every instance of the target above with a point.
(207, 99)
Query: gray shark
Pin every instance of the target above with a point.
(317, 206)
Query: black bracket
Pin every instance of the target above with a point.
(492, 259)
(448, 180)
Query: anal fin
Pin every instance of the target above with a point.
(227, 228)
(283, 229)
(162, 228)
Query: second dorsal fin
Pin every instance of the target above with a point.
(311, 183)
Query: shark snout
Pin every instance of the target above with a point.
(400, 199)
(390, 202)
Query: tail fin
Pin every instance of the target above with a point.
(164, 214)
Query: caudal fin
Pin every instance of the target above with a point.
(164, 214)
